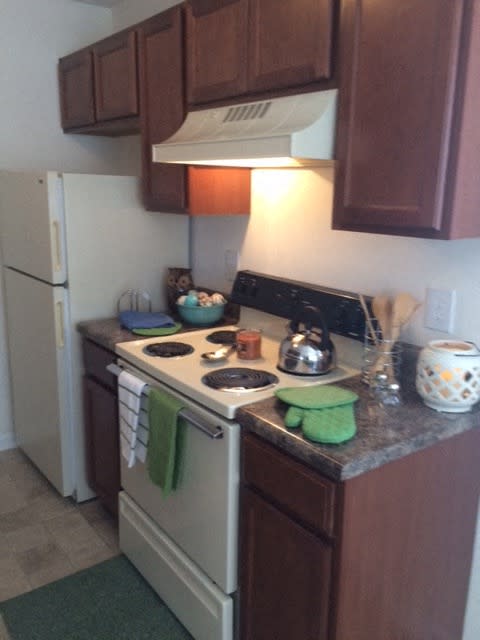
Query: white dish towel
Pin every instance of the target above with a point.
(131, 393)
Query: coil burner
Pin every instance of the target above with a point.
(240, 379)
(225, 336)
(168, 349)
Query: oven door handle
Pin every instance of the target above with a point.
(214, 432)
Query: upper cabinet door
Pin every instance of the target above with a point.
(290, 43)
(75, 78)
(162, 107)
(216, 49)
(116, 76)
(398, 74)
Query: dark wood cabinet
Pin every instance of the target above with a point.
(285, 546)
(407, 139)
(289, 43)
(101, 425)
(116, 77)
(216, 49)
(241, 47)
(286, 577)
(99, 87)
(386, 554)
(194, 190)
(134, 82)
(160, 41)
(75, 78)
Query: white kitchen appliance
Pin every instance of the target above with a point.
(185, 544)
(280, 132)
(71, 245)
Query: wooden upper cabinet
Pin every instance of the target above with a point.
(116, 76)
(289, 43)
(242, 47)
(75, 78)
(160, 44)
(408, 88)
(216, 47)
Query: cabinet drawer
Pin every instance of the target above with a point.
(305, 494)
(95, 360)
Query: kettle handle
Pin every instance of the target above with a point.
(310, 316)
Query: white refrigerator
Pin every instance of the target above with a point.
(71, 245)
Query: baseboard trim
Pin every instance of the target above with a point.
(7, 441)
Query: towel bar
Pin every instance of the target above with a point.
(214, 432)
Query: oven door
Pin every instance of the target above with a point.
(201, 516)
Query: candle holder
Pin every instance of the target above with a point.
(448, 375)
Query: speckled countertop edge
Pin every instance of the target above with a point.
(108, 332)
(383, 434)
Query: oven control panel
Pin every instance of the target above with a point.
(282, 297)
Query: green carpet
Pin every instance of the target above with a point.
(108, 601)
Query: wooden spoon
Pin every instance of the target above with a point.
(404, 306)
(382, 310)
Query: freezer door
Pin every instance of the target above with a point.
(39, 357)
(32, 224)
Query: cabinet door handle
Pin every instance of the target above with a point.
(59, 327)
(57, 252)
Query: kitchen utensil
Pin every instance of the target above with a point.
(382, 310)
(404, 306)
(307, 350)
(220, 354)
(448, 375)
(368, 319)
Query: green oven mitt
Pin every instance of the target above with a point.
(325, 412)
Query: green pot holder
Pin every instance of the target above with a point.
(325, 412)
(158, 331)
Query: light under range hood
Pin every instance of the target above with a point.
(289, 131)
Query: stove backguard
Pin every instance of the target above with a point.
(282, 297)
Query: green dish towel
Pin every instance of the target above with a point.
(166, 440)
(324, 412)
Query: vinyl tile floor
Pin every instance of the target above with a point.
(43, 536)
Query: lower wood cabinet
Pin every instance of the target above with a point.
(392, 562)
(285, 575)
(101, 425)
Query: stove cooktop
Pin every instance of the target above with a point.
(184, 373)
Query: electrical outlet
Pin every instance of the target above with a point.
(231, 264)
(440, 309)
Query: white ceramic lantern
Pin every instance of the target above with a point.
(448, 375)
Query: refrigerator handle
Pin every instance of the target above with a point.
(57, 245)
(59, 327)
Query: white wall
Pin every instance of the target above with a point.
(288, 234)
(128, 12)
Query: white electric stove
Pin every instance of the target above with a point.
(186, 373)
(185, 544)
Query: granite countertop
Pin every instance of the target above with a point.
(108, 332)
(383, 434)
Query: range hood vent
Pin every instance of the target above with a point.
(290, 131)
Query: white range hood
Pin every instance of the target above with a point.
(289, 131)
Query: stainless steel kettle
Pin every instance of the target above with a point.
(307, 350)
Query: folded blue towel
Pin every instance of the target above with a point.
(144, 320)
